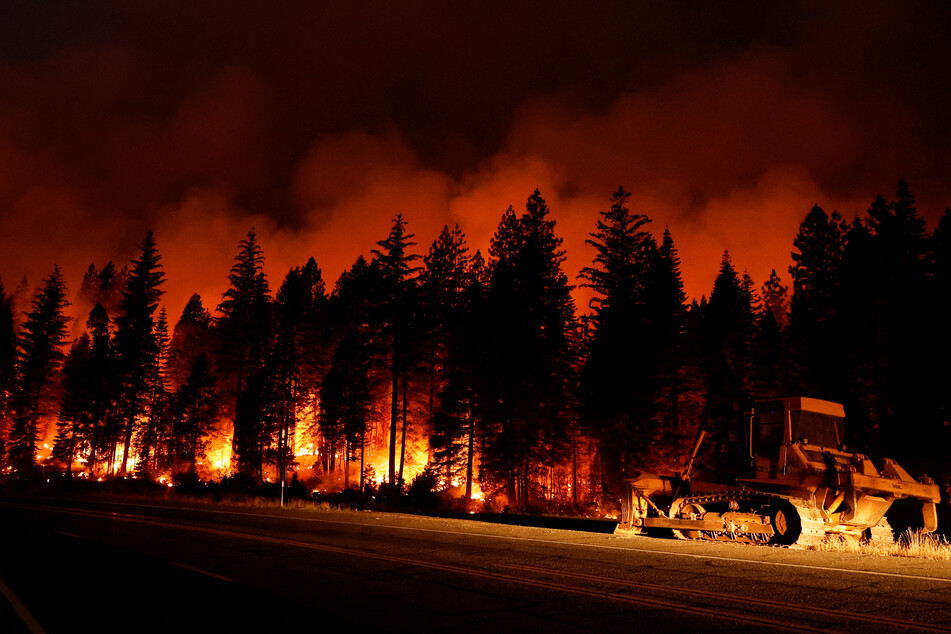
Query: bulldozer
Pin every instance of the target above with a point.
(795, 485)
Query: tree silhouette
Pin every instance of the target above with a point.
(770, 371)
(40, 356)
(298, 353)
(136, 344)
(7, 364)
(190, 338)
(243, 334)
(903, 348)
(444, 282)
(100, 397)
(78, 406)
(815, 272)
(629, 383)
(612, 377)
(529, 309)
(854, 332)
(356, 309)
(461, 342)
(153, 445)
(728, 326)
(399, 278)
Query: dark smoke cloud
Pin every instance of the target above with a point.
(317, 122)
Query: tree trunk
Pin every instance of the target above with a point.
(363, 450)
(469, 460)
(127, 442)
(574, 467)
(394, 417)
(346, 463)
(403, 434)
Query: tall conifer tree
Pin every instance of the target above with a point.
(400, 285)
(243, 333)
(816, 270)
(7, 364)
(728, 327)
(40, 357)
(136, 344)
(529, 310)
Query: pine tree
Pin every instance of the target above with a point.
(243, 333)
(769, 354)
(40, 357)
(443, 284)
(153, 446)
(663, 304)
(356, 308)
(903, 348)
(815, 272)
(298, 353)
(629, 382)
(7, 364)
(136, 345)
(728, 326)
(615, 372)
(400, 286)
(190, 338)
(461, 357)
(75, 421)
(776, 300)
(529, 309)
(100, 397)
(620, 264)
(854, 333)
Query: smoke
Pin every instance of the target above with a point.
(317, 125)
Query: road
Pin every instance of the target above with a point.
(97, 566)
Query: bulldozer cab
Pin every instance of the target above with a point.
(776, 424)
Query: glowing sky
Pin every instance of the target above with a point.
(317, 122)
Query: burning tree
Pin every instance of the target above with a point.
(399, 278)
(136, 344)
(39, 358)
(7, 364)
(243, 334)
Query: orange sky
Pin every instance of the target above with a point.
(316, 125)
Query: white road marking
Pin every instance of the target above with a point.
(202, 572)
(22, 611)
(67, 534)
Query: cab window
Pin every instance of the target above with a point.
(817, 429)
(768, 432)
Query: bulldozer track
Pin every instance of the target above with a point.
(812, 531)
(881, 533)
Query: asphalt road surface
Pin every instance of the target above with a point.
(85, 566)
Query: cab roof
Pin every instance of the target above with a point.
(803, 403)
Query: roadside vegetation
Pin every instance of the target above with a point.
(911, 543)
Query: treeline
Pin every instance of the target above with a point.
(480, 367)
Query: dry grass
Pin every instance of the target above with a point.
(911, 543)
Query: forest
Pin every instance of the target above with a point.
(475, 375)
